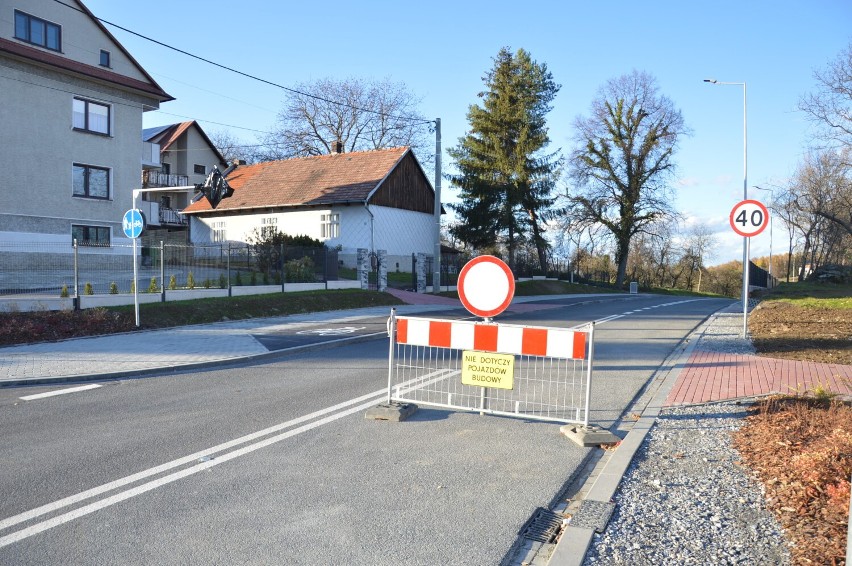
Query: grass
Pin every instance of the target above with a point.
(811, 294)
(42, 326)
(200, 311)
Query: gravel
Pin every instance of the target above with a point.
(684, 499)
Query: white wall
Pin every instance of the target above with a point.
(399, 232)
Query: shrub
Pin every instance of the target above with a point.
(153, 287)
(253, 278)
(64, 292)
(223, 281)
(132, 287)
(207, 283)
(113, 288)
(172, 283)
(300, 270)
(88, 290)
(238, 280)
(190, 281)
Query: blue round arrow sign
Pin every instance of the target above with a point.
(133, 223)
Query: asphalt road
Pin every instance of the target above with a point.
(274, 462)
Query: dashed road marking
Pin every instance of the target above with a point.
(59, 392)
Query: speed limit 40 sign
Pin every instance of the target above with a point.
(749, 218)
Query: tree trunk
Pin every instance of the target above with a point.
(621, 255)
(540, 244)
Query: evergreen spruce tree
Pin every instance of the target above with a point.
(506, 179)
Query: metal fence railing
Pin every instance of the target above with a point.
(72, 270)
(471, 366)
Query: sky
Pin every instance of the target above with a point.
(441, 50)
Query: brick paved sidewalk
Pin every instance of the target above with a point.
(715, 376)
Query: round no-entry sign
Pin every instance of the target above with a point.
(486, 286)
(749, 218)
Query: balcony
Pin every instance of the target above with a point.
(152, 178)
(158, 216)
(171, 217)
(150, 155)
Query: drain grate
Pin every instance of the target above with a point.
(593, 515)
(543, 526)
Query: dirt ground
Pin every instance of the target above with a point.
(801, 448)
(784, 330)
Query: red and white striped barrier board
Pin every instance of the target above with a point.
(497, 338)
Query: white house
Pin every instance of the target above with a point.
(376, 200)
(70, 123)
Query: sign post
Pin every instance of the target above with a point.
(748, 218)
(486, 286)
(133, 223)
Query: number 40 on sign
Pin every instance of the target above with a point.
(749, 218)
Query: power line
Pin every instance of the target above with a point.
(417, 121)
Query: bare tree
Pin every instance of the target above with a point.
(360, 114)
(830, 106)
(624, 159)
(231, 147)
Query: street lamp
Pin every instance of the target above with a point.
(771, 218)
(745, 197)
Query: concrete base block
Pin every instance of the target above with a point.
(391, 411)
(588, 435)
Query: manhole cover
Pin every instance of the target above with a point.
(543, 526)
(593, 515)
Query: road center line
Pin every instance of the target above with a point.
(140, 489)
(71, 500)
(59, 392)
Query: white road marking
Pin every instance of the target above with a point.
(145, 487)
(71, 500)
(59, 392)
(374, 397)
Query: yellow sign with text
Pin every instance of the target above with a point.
(488, 370)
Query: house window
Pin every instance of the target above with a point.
(90, 182)
(200, 169)
(90, 235)
(37, 31)
(268, 226)
(90, 116)
(104, 58)
(330, 225)
(219, 231)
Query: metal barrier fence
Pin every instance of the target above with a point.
(54, 269)
(551, 368)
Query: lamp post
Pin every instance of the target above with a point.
(745, 197)
(771, 218)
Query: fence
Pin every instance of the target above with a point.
(759, 277)
(549, 368)
(59, 269)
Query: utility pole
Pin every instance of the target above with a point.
(436, 275)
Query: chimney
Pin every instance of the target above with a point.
(337, 147)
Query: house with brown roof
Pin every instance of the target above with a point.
(73, 99)
(182, 155)
(375, 200)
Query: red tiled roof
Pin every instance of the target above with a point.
(58, 61)
(323, 180)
